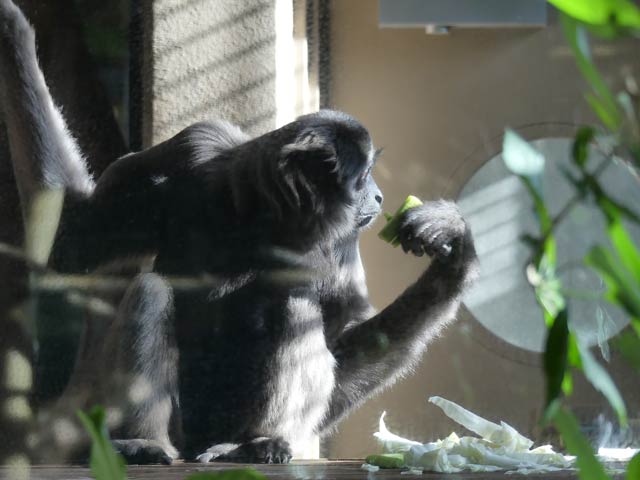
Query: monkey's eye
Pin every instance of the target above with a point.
(362, 180)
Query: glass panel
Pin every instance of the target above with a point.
(500, 212)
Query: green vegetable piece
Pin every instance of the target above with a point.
(391, 230)
(386, 460)
(233, 474)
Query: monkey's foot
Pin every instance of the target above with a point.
(143, 452)
(260, 450)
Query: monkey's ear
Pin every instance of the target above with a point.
(308, 170)
(313, 152)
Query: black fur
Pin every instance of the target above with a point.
(274, 340)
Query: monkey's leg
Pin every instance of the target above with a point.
(147, 371)
(258, 450)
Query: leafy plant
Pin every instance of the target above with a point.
(234, 474)
(618, 265)
(105, 462)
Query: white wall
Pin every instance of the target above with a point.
(439, 104)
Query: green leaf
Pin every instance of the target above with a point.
(635, 324)
(577, 183)
(622, 290)
(613, 13)
(608, 31)
(547, 258)
(573, 354)
(602, 382)
(620, 238)
(520, 157)
(634, 149)
(628, 344)
(567, 383)
(555, 356)
(549, 292)
(577, 444)
(604, 102)
(633, 470)
(612, 210)
(609, 118)
(625, 248)
(580, 150)
(105, 463)
(626, 212)
(233, 474)
(528, 164)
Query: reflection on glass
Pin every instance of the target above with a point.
(500, 212)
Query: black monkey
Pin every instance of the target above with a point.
(277, 341)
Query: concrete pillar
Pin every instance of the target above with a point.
(237, 60)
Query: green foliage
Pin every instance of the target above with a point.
(621, 290)
(602, 100)
(528, 164)
(633, 471)
(548, 287)
(588, 465)
(105, 463)
(618, 264)
(580, 150)
(610, 17)
(234, 474)
(602, 382)
(520, 157)
(628, 344)
(555, 359)
(623, 244)
(619, 268)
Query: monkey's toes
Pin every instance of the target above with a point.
(141, 452)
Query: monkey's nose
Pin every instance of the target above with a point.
(379, 198)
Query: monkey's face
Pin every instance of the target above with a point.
(314, 177)
(369, 198)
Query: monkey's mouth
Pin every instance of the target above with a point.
(364, 221)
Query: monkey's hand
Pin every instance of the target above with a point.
(435, 228)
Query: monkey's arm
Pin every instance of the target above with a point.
(44, 153)
(373, 354)
(123, 213)
(46, 157)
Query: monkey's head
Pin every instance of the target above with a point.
(311, 177)
(335, 155)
